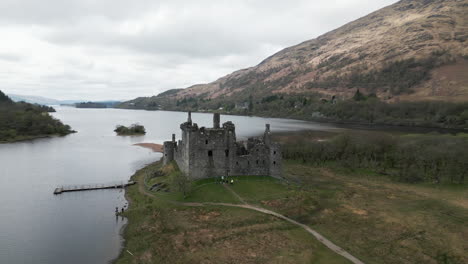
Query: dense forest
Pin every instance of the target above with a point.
(430, 158)
(361, 108)
(19, 121)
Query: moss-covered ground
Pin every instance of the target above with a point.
(162, 231)
(371, 217)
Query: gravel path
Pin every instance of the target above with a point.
(234, 193)
(318, 236)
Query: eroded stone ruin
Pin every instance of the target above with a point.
(214, 152)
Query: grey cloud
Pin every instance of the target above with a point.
(10, 57)
(95, 49)
(217, 29)
(69, 11)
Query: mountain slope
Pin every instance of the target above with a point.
(411, 50)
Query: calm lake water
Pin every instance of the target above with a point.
(39, 227)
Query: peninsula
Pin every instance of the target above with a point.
(23, 121)
(338, 198)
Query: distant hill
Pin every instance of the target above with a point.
(33, 99)
(40, 100)
(98, 104)
(412, 50)
(49, 101)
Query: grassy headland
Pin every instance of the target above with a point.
(377, 217)
(161, 231)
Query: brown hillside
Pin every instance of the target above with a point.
(428, 37)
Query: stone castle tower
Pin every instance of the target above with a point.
(214, 152)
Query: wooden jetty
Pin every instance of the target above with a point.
(89, 187)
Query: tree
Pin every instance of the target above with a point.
(358, 96)
(4, 97)
(134, 129)
(182, 183)
(251, 105)
(23, 120)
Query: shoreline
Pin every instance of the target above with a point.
(123, 228)
(357, 210)
(153, 146)
(343, 124)
(29, 138)
(127, 197)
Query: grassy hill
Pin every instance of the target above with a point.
(376, 216)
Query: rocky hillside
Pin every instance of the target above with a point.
(411, 50)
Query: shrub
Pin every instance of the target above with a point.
(134, 129)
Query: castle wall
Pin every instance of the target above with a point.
(276, 158)
(168, 153)
(213, 152)
(210, 153)
(255, 163)
(181, 155)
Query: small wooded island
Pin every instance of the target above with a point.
(90, 105)
(22, 121)
(134, 129)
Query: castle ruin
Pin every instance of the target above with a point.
(214, 152)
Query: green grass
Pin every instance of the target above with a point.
(376, 219)
(212, 192)
(462, 135)
(162, 232)
(369, 215)
(256, 189)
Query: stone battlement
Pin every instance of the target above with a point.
(214, 152)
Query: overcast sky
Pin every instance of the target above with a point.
(120, 49)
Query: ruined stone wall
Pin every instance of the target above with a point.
(254, 163)
(213, 152)
(181, 154)
(169, 149)
(276, 158)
